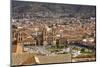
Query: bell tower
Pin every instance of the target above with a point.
(44, 37)
(54, 35)
(19, 42)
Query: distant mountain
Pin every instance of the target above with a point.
(22, 9)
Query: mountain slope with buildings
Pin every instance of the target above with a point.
(37, 9)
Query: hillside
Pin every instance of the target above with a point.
(22, 9)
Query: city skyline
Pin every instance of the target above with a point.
(46, 33)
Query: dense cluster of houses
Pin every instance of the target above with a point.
(46, 31)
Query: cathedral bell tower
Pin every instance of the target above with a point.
(19, 42)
